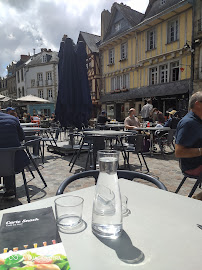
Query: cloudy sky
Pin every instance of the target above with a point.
(28, 24)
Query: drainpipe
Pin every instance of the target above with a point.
(192, 52)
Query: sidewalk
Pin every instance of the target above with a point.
(56, 170)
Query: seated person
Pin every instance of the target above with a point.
(156, 115)
(102, 118)
(11, 111)
(188, 144)
(10, 136)
(173, 120)
(131, 122)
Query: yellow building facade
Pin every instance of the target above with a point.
(147, 60)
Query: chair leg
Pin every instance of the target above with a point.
(35, 166)
(198, 182)
(145, 162)
(139, 159)
(180, 185)
(26, 188)
(72, 157)
(31, 171)
(87, 159)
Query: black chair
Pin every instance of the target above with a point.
(165, 141)
(7, 168)
(197, 183)
(34, 142)
(130, 175)
(134, 145)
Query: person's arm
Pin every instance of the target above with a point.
(185, 152)
(130, 127)
(168, 122)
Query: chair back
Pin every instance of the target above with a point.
(137, 141)
(130, 175)
(7, 160)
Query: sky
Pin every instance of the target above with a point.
(28, 24)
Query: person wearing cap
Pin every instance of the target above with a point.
(131, 122)
(10, 136)
(102, 118)
(173, 120)
(11, 111)
(188, 143)
(146, 109)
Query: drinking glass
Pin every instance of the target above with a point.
(68, 211)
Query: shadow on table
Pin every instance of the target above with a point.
(124, 248)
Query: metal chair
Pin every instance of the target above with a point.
(130, 175)
(166, 140)
(7, 168)
(197, 183)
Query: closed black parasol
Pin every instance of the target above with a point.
(73, 107)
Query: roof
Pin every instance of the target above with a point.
(156, 6)
(130, 16)
(31, 98)
(91, 40)
(134, 17)
(166, 89)
(37, 59)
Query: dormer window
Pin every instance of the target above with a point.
(44, 58)
(117, 26)
(163, 2)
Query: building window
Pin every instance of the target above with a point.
(49, 75)
(44, 58)
(50, 93)
(174, 71)
(39, 76)
(32, 83)
(163, 73)
(113, 83)
(151, 39)
(153, 75)
(22, 75)
(163, 2)
(19, 92)
(111, 56)
(40, 91)
(124, 52)
(118, 83)
(173, 31)
(117, 26)
(18, 75)
(23, 91)
(125, 81)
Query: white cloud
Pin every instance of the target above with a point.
(28, 24)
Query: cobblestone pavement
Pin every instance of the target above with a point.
(56, 169)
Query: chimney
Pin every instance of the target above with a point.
(105, 19)
(49, 50)
(34, 51)
(24, 57)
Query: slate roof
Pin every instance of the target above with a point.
(155, 7)
(134, 17)
(166, 89)
(37, 59)
(91, 40)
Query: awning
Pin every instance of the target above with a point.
(30, 98)
(2, 96)
(166, 89)
(5, 99)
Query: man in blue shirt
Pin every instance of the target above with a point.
(11, 134)
(189, 137)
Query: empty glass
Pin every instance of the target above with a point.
(68, 211)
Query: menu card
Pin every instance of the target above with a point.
(30, 240)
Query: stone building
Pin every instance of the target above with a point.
(195, 45)
(145, 56)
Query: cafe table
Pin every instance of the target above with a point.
(29, 124)
(160, 233)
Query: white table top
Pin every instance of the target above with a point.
(152, 128)
(34, 129)
(29, 124)
(106, 132)
(161, 224)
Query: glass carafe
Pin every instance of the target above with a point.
(107, 208)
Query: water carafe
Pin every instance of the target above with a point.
(107, 208)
